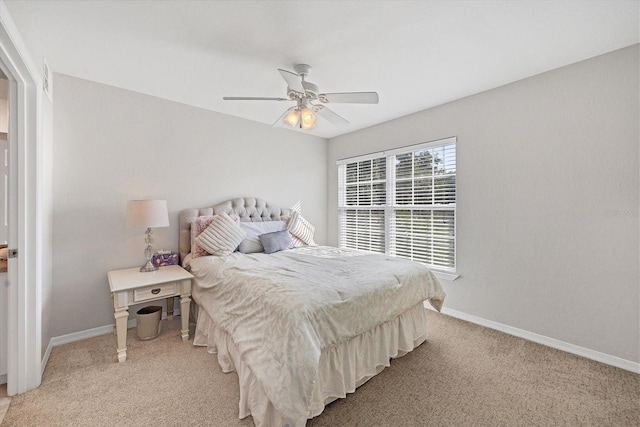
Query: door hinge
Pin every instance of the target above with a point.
(12, 253)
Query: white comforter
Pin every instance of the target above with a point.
(282, 309)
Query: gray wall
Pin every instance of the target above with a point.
(112, 145)
(548, 200)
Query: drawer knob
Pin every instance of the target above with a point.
(155, 291)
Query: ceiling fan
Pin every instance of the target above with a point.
(309, 101)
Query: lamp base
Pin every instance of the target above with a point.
(148, 267)
(148, 252)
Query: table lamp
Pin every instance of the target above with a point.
(147, 214)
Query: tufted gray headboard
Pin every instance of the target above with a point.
(249, 209)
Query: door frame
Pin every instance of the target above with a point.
(24, 311)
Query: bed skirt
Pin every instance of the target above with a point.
(342, 368)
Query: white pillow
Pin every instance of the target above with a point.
(222, 236)
(251, 243)
(301, 228)
(296, 242)
(198, 226)
(297, 207)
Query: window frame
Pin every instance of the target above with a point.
(391, 205)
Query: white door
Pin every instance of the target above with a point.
(23, 308)
(4, 229)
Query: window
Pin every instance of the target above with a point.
(364, 195)
(402, 203)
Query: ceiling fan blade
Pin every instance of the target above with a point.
(294, 82)
(330, 116)
(252, 98)
(350, 97)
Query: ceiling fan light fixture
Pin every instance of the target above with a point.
(303, 93)
(308, 119)
(292, 117)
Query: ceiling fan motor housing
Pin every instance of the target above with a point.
(302, 69)
(311, 89)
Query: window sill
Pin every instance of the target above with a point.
(445, 276)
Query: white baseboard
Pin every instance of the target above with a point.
(45, 358)
(607, 359)
(3, 379)
(89, 333)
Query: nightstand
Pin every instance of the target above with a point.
(131, 286)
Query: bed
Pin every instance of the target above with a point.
(304, 326)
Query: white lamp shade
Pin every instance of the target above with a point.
(308, 118)
(292, 118)
(147, 213)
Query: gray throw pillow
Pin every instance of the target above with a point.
(276, 241)
(251, 243)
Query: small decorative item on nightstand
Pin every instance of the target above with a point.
(161, 258)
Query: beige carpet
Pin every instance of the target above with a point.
(4, 401)
(464, 375)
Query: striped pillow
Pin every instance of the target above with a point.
(198, 226)
(222, 236)
(296, 243)
(301, 228)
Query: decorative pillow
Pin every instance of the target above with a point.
(251, 243)
(297, 207)
(222, 236)
(275, 241)
(296, 242)
(198, 226)
(301, 228)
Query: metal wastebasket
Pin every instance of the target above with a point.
(148, 322)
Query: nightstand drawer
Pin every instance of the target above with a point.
(154, 292)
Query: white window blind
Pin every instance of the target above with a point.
(363, 195)
(402, 202)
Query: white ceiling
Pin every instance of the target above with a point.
(415, 54)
